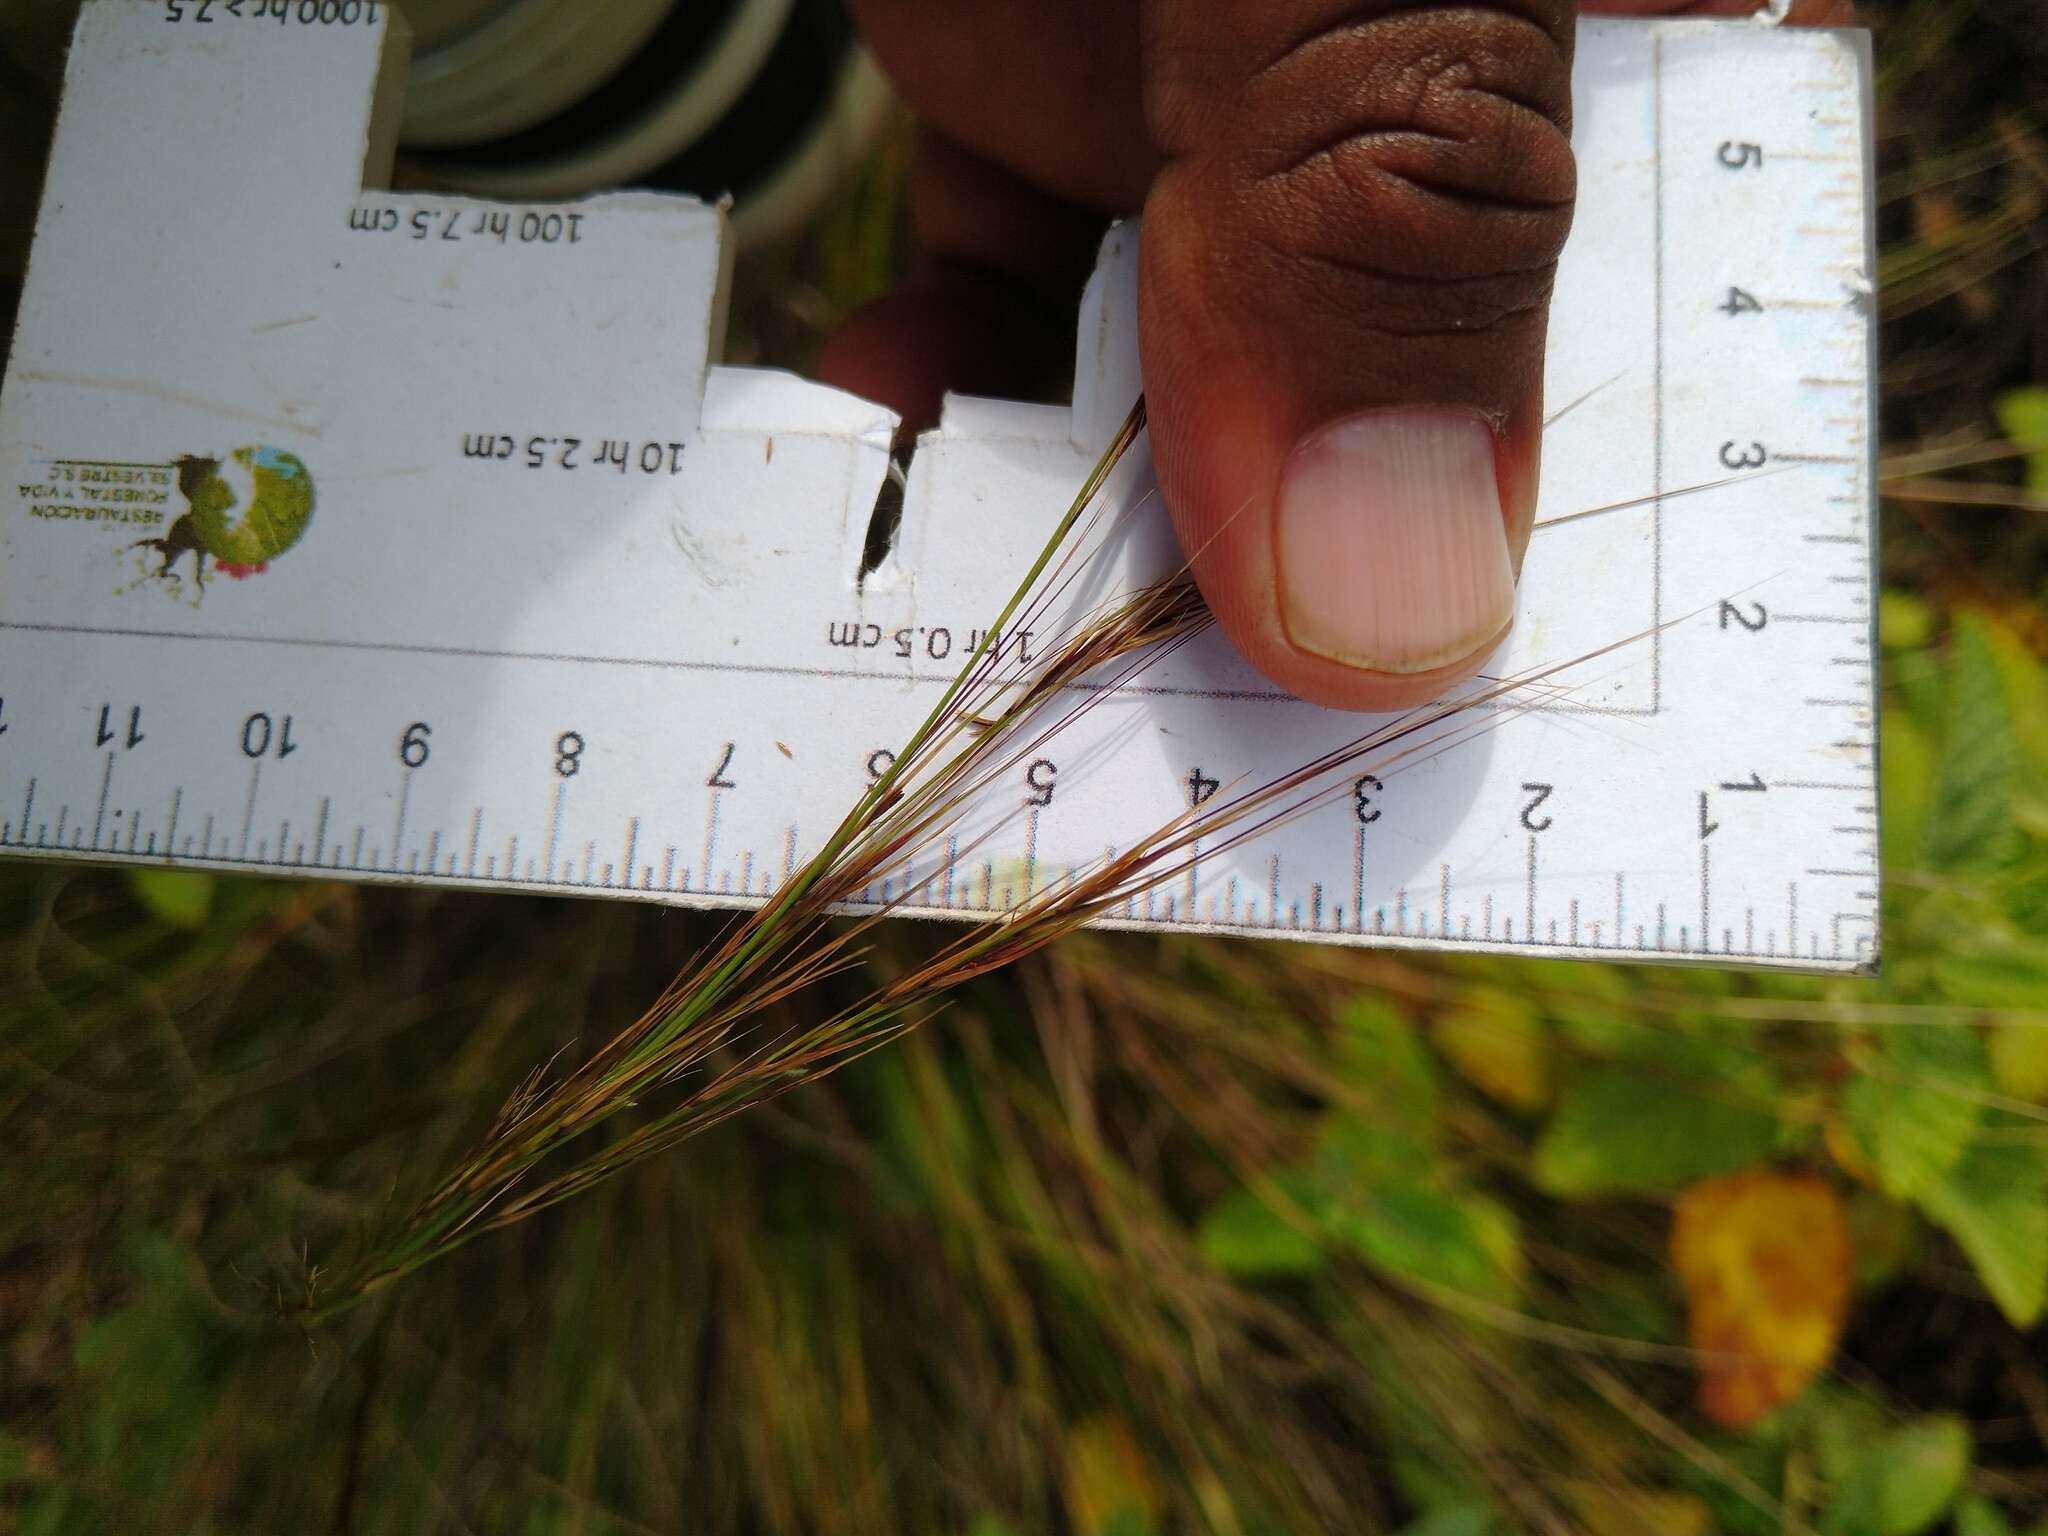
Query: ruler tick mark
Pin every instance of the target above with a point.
(555, 824)
(1706, 884)
(1657, 371)
(100, 816)
(711, 837)
(1530, 925)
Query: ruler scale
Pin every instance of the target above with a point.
(408, 538)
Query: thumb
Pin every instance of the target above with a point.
(1345, 278)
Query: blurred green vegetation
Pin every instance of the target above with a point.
(1150, 1235)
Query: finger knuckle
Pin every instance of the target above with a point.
(1406, 307)
(1422, 153)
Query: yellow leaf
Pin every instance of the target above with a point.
(2019, 1061)
(1497, 1044)
(1765, 1261)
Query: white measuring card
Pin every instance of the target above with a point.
(403, 537)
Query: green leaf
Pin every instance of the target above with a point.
(1970, 824)
(1994, 1203)
(2026, 900)
(1412, 1229)
(1385, 1059)
(1994, 969)
(1917, 1102)
(1978, 1516)
(1841, 1427)
(1904, 1483)
(174, 896)
(1595, 1008)
(1887, 1238)
(1619, 1131)
(1354, 1151)
(1379, 1191)
(2026, 697)
(1242, 1235)
(2023, 416)
(1909, 769)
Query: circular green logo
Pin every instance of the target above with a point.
(249, 508)
(242, 512)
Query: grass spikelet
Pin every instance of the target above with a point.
(717, 1040)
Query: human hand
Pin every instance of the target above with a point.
(1353, 211)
